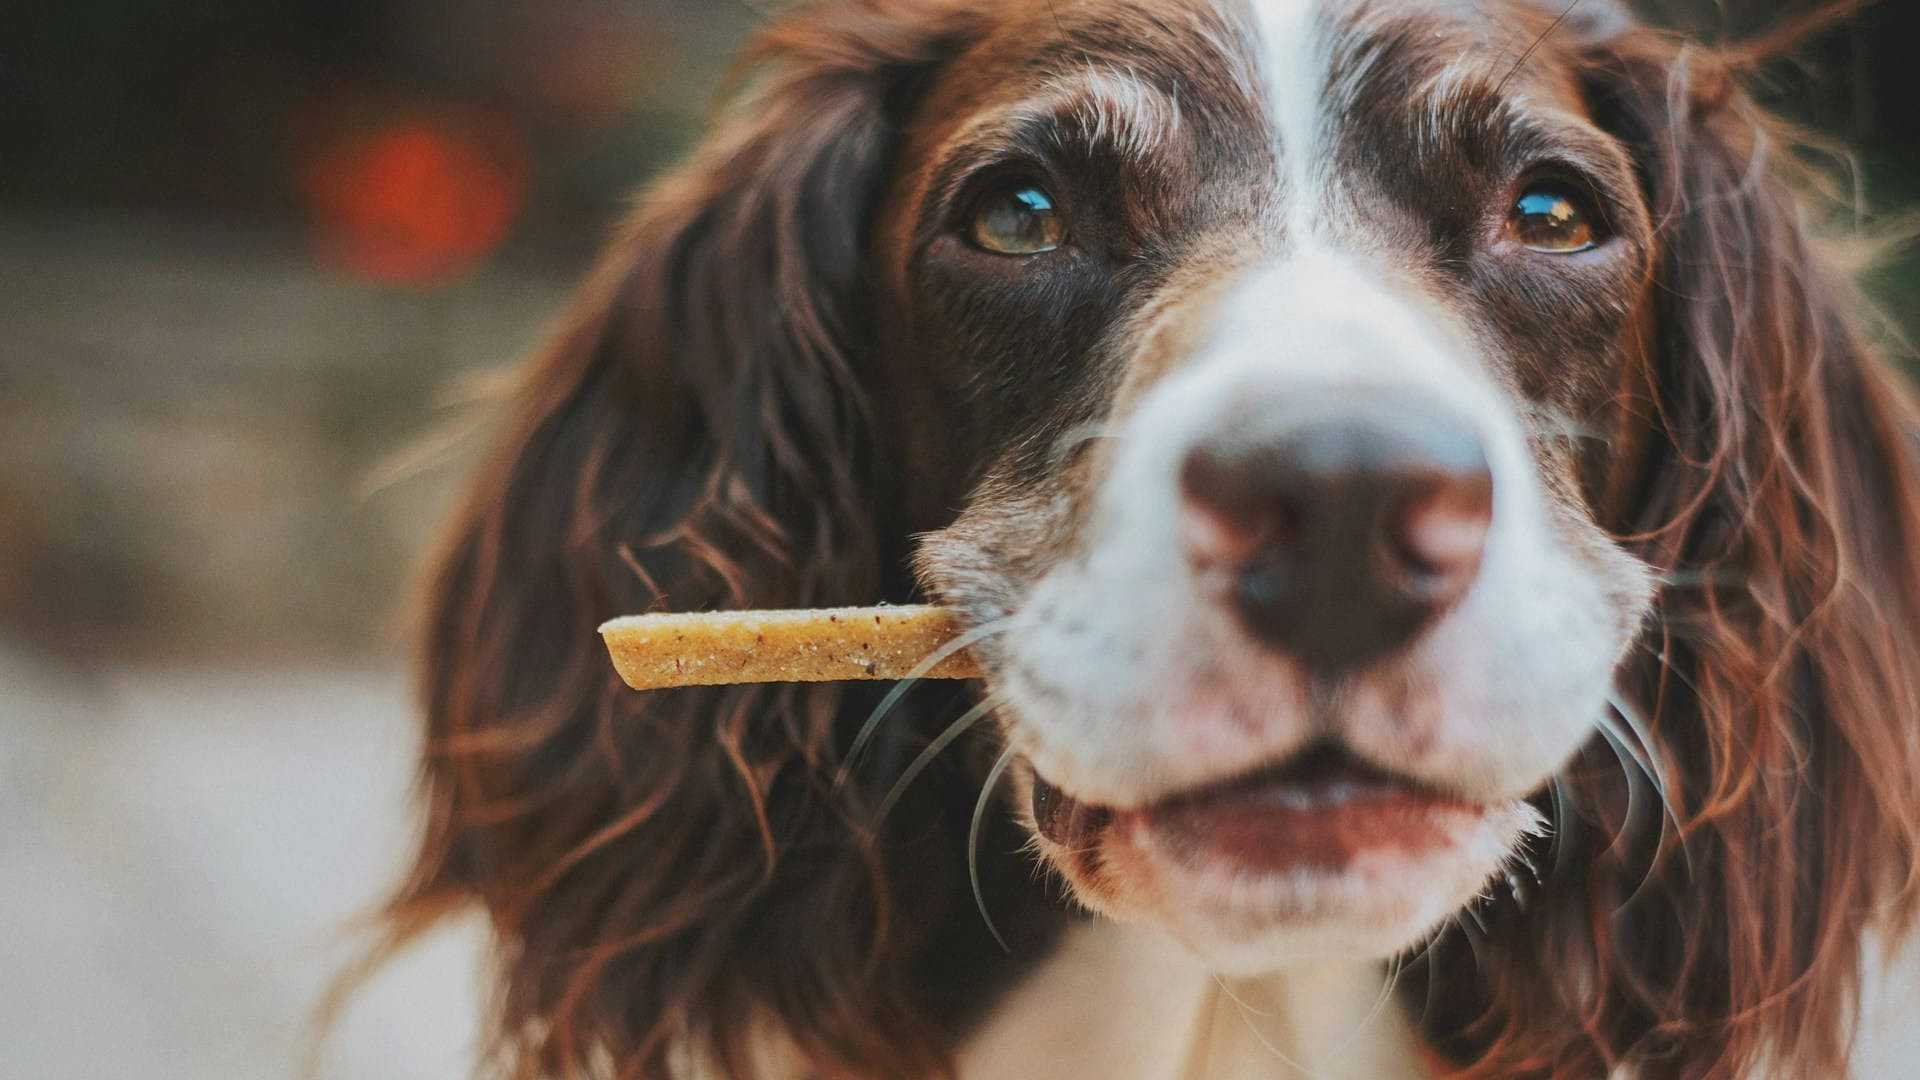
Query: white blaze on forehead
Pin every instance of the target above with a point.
(1293, 59)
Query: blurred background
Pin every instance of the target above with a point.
(257, 265)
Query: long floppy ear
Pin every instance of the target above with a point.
(669, 874)
(1778, 687)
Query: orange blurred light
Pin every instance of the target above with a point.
(416, 200)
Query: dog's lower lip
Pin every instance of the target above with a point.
(1319, 809)
(1063, 819)
(1276, 826)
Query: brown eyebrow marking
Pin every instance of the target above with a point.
(1451, 92)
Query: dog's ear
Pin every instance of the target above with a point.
(1778, 687)
(667, 872)
(1782, 497)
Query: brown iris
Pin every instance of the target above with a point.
(1019, 219)
(1549, 218)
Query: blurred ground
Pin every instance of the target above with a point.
(182, 851)
(219, 461)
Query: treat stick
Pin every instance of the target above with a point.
(718, 648)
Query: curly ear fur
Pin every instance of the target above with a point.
(670, 875)
(1772, 477)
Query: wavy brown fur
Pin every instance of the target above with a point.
(1775, 482)
(673, 872)
(664, 869)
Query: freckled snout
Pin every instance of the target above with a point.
(1339, 531)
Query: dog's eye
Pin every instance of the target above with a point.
(1553, 218)
(1018, 219)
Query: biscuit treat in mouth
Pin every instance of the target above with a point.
(717, 648)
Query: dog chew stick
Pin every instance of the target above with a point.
(720, 648)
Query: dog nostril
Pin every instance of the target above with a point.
(1227, 515)
(1342, 536)
(1441, 531)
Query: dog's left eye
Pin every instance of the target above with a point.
(1554, 219)
(1018, 219)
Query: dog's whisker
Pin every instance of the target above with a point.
(933, 749)
(906, 683)
(1387, 986)
(1629, 771)
(973, 843)
(1697, 579)
(1472, 911)
(1246, 1017)
(1077, 436)
(1424, 956)
(1562, 826)
(1473, 941)
(1667, 664)
(1559, 424)
(1644, 738)
(1535, 47)
(1647, 766)
(1245, 1006)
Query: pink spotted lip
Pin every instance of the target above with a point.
(1321, 808)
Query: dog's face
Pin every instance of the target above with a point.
(1283, 330)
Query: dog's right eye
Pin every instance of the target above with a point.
(1553, 219)
(1017, 219)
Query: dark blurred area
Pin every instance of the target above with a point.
(237, 113)
(247, 251)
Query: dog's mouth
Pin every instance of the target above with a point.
(1319, 808)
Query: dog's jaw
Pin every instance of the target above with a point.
(1125, 685)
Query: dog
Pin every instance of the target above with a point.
(1443, 547)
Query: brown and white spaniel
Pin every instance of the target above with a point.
(1445, 554)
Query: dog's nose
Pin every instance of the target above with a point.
(1339, 537)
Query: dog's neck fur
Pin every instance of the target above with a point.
(1114, 1001)
(1117, 1002)
(1125, 1003)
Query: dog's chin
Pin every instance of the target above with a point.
(1267, 871)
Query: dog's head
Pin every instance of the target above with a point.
(1394, 458)
(1297, 589)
